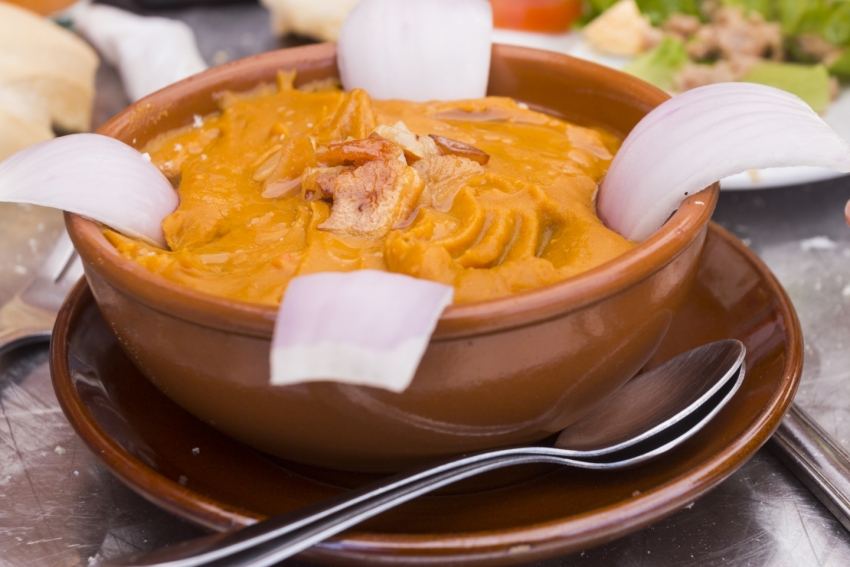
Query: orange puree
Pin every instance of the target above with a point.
(284, 182)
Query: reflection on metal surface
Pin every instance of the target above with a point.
(817, 460)
(59, 506)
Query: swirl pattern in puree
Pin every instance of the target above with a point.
(485, 195)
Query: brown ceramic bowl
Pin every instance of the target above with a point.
(500, 372)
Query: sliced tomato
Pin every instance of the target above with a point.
(536, 15)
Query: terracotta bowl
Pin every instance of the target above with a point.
(500, 372)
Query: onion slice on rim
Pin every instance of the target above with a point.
(94, 176)
(703, 135)
(364, 327)
(417, 50)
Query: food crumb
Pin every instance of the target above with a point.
(220, 57)
(196, 451)
(146, 156)
(699, 203)
(59, 450)
(197, 121)
(76, 473)
(817, 243)
(182, 480)
(521, 548)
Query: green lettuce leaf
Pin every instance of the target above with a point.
(660, 66)
(659, 10)
(841, 66)
(809, 82)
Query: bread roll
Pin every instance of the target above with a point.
(317, 18)
(46, 79)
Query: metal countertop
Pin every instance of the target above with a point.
(59, 506)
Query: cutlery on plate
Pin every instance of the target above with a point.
(817, 459)
(28, 317)
(651, 414)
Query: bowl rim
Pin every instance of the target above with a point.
(458, 320)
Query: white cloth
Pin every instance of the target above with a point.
(149, 52)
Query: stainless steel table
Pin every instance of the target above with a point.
(59, 506)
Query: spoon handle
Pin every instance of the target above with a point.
(282, 547)
(273, 540)
(818, 460)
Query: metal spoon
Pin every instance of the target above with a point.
(651, 414)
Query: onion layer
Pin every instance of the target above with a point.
(417, 50)
(94, 176)
(364, 327)
(704, 135)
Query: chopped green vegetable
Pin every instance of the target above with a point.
(659, 11)
(841, 66)
(837, 27)
(791, 12)
(660, 66)
(592, 8)
(764, 7)
(809, 82)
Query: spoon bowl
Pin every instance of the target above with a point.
(653, 413)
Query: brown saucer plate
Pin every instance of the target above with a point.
(503, 518)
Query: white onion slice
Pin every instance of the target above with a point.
(94, 176)
(364, 327)
(417, 50)
(704, 135)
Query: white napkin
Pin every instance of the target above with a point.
(149, 52)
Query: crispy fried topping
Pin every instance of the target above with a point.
(455, 148)
(372, 198)
(355, 118)
(415, 147)
(318, 182)
(358, 152)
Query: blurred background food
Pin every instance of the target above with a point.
(43, 7)
(47, 73)
(320, 19)
(800, 46)
(536, 15)
(46, 79)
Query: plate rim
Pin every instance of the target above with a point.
(493, 547)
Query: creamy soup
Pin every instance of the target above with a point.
(485, 195)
